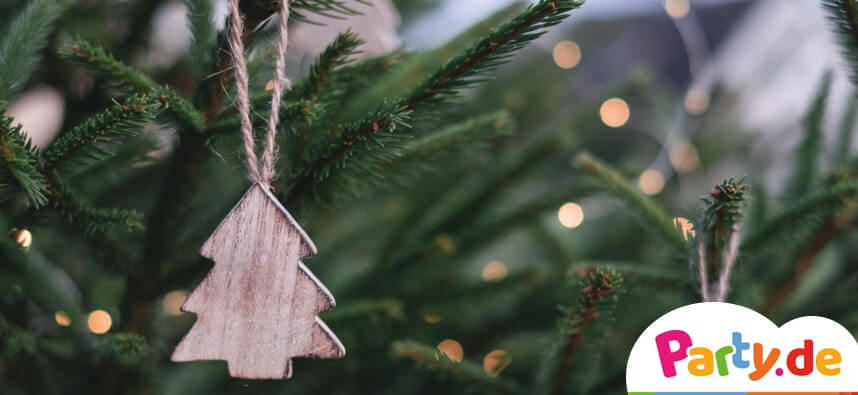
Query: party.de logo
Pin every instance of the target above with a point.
(728, 349)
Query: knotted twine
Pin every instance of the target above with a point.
(267, 173)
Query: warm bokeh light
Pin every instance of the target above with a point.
(173, 302)
(23, 237)
(269, 86)
(651, 182)
(446, 244)
(570, 215)
(99, 322)
(495, 362)
(614, 112)
(566, 54)
(452, 349)
(683, 156)
(677, 8)
(432, 318)
(685, 226)
(696, 101)
(62, 318)
(494, 271)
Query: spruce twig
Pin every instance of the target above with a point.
(25, 38)
(717, 234)
(461, 72)
(649, 211)
(83, 142)
(20, 166)
(808, 151)
(98, 59)
(581, 325)
(843, 15)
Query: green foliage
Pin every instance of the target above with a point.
(806, 211)
(127, 348)
(20, 165)
(466, 372)
(721, 216)
(320, 173)
(373, 309)
(843, 16)
(808, 151)
(86, 143)
(92, 220)
(22, 43)
(572, 358)
(335, 55)
(847, 129)
(201, 24)
(649, 211)
(99, 60)
(491, 51)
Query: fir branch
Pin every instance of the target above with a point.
(99, 60)
(84, 143)
(836, 218)
(22, 43)
(807, 210)
(807, 153)
(466, 372)
(474, 129)
(19, 170)
(125, 347)
(335, 9)
(335, 55)
(719, 221)
(847, 129)
(203, 32)
(649, 211)
(634, 273)
(91, 220)
(461, 72)
(324, 163)
(582, 326)
(843, 16)
(487, 54)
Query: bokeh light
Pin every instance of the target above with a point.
(571, 215)
(432, 318)
(685, 226)
(677, 8)
(651, 182)
(446, 244)
(614, 112)
(62, 318)
(683, 157)
(173, 302)
(567, 54)
(696, 101)
(494, 271)
(99, 322)
(495, 362)
(23, 237)
(452, 349)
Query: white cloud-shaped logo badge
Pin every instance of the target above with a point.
(721, 347)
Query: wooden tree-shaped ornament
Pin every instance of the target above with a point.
(258, 307)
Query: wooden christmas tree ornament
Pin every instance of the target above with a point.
(259, 306)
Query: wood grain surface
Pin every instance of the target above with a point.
(258, 307)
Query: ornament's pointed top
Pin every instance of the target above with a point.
(258, 201)
(298, 228)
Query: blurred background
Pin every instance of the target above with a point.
(472, 257)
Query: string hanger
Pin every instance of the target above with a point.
(261, 172)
